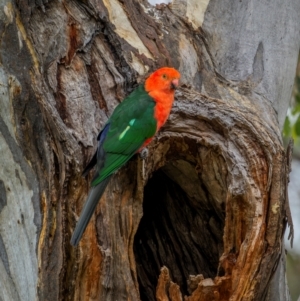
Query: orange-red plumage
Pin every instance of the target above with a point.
(161, 85)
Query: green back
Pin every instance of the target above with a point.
(131, 123)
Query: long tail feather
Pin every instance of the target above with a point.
(88, 209)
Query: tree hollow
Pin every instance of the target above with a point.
(181, 228)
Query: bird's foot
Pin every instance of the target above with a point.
(144, 153)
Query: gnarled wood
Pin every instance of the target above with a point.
(234, 169)
(210, 198)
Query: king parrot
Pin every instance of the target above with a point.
(132, 125)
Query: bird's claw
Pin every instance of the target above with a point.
(144, 153)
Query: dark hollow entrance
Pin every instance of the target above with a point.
(177, 231)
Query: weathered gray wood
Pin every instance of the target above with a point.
(260, 51)
(65, 66)
(20, 214)
(278, 289)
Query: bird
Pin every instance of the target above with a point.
(131, 127)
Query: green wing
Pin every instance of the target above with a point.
(131, 123)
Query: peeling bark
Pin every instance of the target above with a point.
(202, 218)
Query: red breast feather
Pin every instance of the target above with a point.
(161, 85)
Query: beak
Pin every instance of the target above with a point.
(174, 83)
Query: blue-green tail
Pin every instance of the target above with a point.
(88, 210)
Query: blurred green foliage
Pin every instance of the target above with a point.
(291, 129)
(293, 268)
(291, 126)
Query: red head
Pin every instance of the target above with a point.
(164, 79)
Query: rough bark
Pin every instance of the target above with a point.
(204, 215)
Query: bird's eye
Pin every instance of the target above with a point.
(164, 76)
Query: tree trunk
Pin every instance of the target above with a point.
(204, 215)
